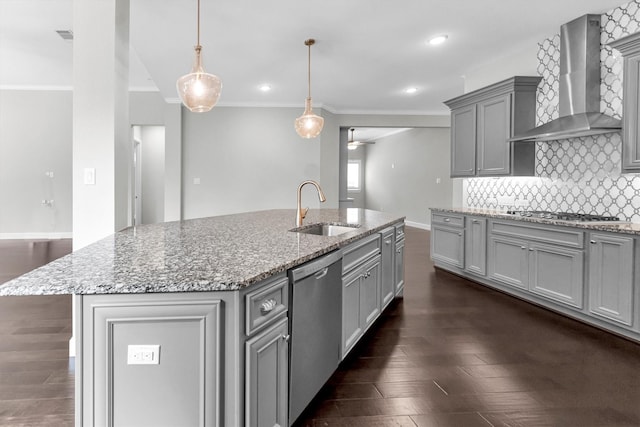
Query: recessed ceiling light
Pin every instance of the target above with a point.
(411, 90)
(265, 88)
(438, 39)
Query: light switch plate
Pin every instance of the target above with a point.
(143, 355)
(89, 176)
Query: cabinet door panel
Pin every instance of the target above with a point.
(611, 278)
(475, 243)
(447, 245)
(399, 270)
(463, 141)
(508, 261)
(631, 131)
(370, 294)
(557, 273)
(494, 130)
(351, 330)
(266, 378)
(387, 281)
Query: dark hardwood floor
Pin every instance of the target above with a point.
(451, 353)
(36, 378)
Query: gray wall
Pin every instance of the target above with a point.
(402, 171)
(35, 138)
(246, 159)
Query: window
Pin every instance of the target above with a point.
(353, 175)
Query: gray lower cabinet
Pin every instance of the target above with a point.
(611, 277)
(509, 261)
(360, 302)
(629, 46)
(185, 385)
(447, 245)
(399, 267)
(556, 273)
(475, 245)
(266, 377)
(387, 284)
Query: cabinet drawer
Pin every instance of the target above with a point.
(399, 231)
(264, 305)
(557, 235)
(359, 251)
(450, 220)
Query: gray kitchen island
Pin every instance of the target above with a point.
(188, 323)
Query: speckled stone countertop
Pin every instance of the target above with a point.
(611, 226)
(209, 254)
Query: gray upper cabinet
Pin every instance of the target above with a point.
(611, 277)
(463, 141)
(629, 47)
(482, 122)
(494, 128)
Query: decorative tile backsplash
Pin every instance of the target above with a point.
(578, 174)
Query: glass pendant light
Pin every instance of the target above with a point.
(199, 91)
(308, 125)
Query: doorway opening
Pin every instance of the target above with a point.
(147, 189)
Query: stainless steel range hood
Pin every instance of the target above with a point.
(579, 86)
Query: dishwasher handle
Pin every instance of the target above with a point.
(315, 266)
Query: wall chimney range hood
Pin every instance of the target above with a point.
(579, 86)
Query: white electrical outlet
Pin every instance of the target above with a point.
(143, 355)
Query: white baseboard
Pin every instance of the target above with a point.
(418, 225)
(34, 236)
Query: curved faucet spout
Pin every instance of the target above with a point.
(301, 213)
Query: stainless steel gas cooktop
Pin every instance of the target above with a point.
(564, 216)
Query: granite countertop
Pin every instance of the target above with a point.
(222, 253)
(611, 226)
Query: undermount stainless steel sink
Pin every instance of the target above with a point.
(324, 229)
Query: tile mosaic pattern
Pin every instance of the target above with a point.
(579, 174)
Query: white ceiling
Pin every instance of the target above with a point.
(367, 51)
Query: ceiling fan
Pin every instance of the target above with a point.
(352, 144)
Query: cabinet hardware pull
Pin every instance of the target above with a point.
(286, 337)
(460, 234)
(523, 247)
(387, 242)
(593, 242)
(530, 249)
(475, 221)
(268, 306)
(447, 220)
(398, 251)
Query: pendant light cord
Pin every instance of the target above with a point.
(308, 68)
(198, 23)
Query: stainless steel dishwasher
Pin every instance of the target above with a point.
(316, 328)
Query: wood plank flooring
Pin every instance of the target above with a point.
(451, 353)
(36, 378)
